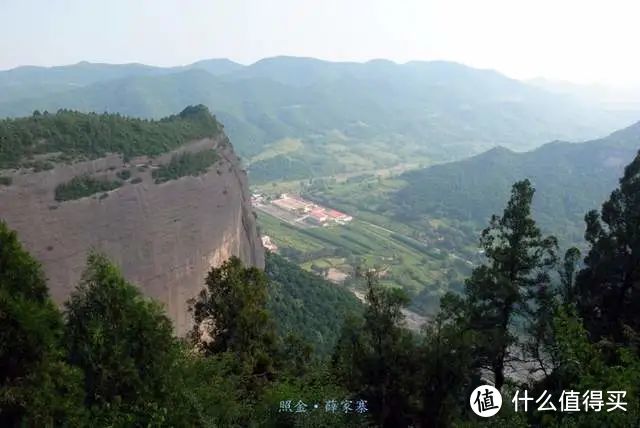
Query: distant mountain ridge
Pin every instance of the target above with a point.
(349, 116)
(570, 179)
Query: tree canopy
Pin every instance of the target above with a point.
(68, 135)
(111, 358)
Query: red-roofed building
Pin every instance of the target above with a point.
(317, 216)
(338, 216)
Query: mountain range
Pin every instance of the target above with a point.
(343, 116)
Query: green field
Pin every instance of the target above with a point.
(424, 255)
(424, 272)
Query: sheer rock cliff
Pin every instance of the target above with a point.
(165, 236)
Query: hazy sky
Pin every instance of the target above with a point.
(582, 41)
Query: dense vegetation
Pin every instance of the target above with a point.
(437, 213)
(83, 186)
(110, 359)
(184, 164)
(304, 304)
(571, 179)
(70, 135)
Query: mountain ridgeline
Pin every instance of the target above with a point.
(166, 199)
(571, 179)
(346, 116)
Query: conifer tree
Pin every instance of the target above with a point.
(377, 359)
(230, 316)
(609, 285)
(519, 259)
(568, 275)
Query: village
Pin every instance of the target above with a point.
(298, 211)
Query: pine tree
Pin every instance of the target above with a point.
(568, 275)
(377, 359)
(609, 285)
(447, 360)
(519, 258)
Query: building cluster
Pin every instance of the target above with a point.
(310, 212)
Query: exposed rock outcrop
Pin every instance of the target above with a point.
(165, 237)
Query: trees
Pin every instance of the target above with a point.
(584, 366)
(609, 285)
(230, 316)
(446, 356)
(116, 351)
(80, 135)
(37, 388)
(123, 344)
(568, 275)
(519, 258)
(376, 359)
(83, 186)
(185, 164)
(307, 305)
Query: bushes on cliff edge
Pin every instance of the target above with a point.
(83, 186)
(185, 164)
(81, 135)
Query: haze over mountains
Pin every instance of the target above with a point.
(570, 179)
(344, 117)
(612, 98)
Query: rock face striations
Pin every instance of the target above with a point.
(165, 234)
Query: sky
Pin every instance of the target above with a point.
(580, 41)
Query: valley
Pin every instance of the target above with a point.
(420, 226)
(424, 270)
(351, 235)
(341, 118)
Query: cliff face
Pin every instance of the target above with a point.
(165, 237)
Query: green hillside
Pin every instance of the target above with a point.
(570, 179)
(306, 305)
(422, 227)
(349, 116)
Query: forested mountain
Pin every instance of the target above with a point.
(346, 116)
(571, 178)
